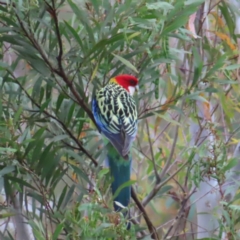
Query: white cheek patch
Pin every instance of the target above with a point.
(131, 90)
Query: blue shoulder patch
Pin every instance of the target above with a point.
(97, 116)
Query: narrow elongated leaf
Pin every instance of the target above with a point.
(21, 182)
(6, 170)
(126, 184)
(62, 196)
(76, 36)
(68, 196)
(126, 62)
(57, 231)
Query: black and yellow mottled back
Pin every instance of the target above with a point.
(115, 113)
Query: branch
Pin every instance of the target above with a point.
(151, 228)
(58, 120)
(180, 215)
(157, 187)
(60, 72)
(21, 231)
(167, 164)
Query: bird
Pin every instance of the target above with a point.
(116, 117)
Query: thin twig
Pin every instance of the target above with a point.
(168, 162)
(157, 187)
(152, 155)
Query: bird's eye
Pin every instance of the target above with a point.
(132, 82)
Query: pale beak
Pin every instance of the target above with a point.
(137, 88)
(133, 89)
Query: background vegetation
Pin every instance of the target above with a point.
(55, 54)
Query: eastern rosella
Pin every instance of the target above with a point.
(115, 114)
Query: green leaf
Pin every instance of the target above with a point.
(228, 18)
(76, 36)
(83, 17)
(164, 189)
(61, 198)
(168, 118)
(70, 113)
(75, 156)
(17, 115)
(57, 231)
(126, 62)
(103, 172)
(32, 143)
(219, 63)
(7, 150)
(189, 2)
(159, 5)
(6, 215)
(233, 162)
(37, 150)
(233, 67)
(206, 239)
(80, 173)
(6, 170)
(59, 138)
(20, 181)
(47, 155)
(196, 96)
(68, 196)
(126, 184)
(4, 65)
(45, 105)
(36, 196)
(197, 67)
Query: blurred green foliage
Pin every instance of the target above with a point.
(56, 54)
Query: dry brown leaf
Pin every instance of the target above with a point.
(226, 39)
(28, 66)
(219, 21)
(206, 109)
(157, 123)
(75, 178)
(83, 132)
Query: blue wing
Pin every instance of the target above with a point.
(120, 139)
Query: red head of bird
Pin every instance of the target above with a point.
(128, 82)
